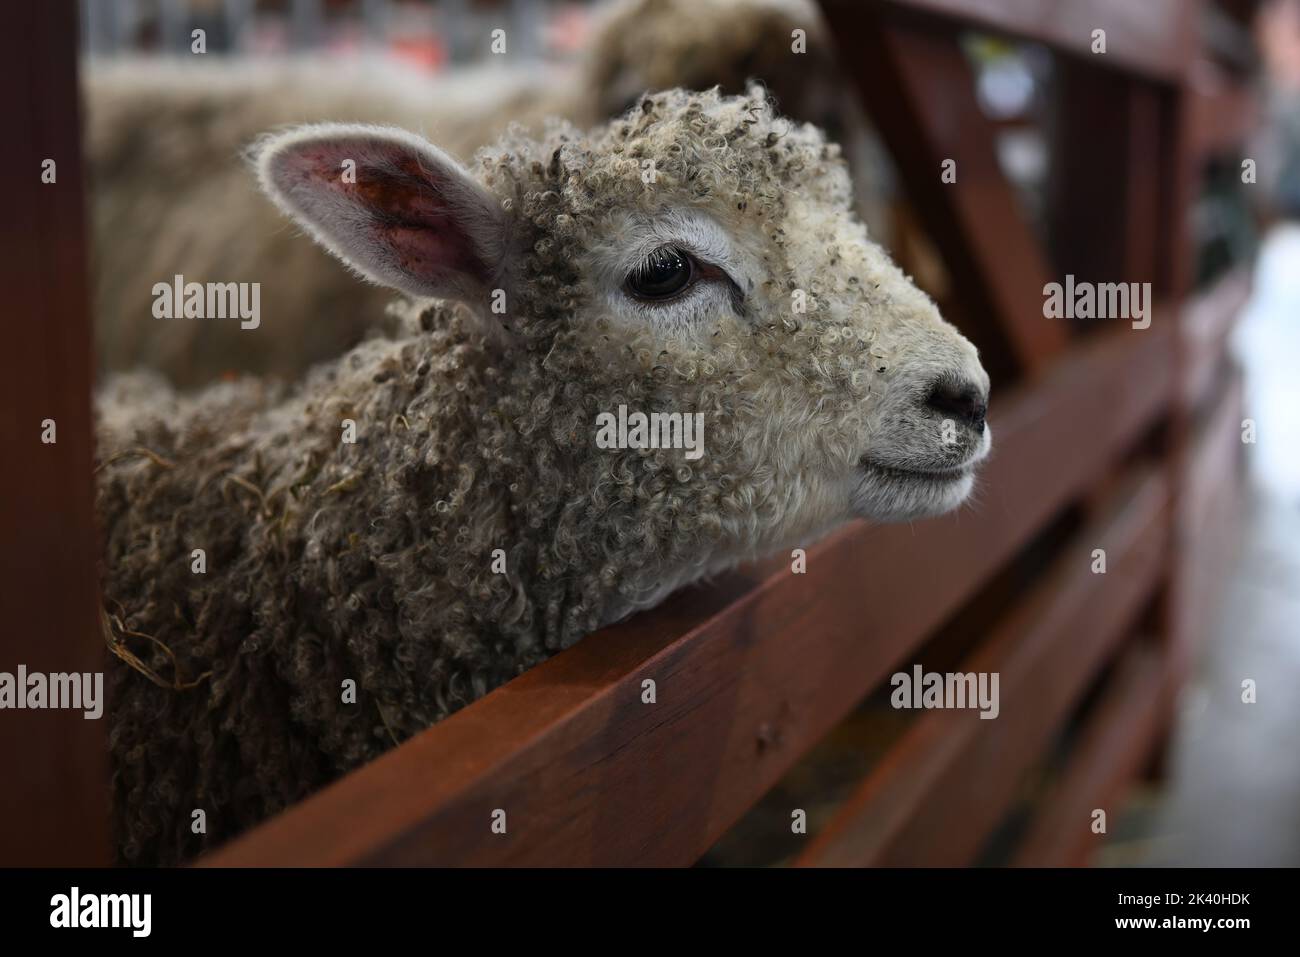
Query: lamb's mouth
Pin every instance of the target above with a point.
(954, 473)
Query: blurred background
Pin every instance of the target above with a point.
(167, 111)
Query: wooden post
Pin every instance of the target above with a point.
(53, 763)
(920, 94)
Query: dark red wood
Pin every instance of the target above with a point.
(944, 787)
(1086, 195)
(1224, 112)
(1118, 735)
(54, 796)
(1142, 38)
(1144, 187)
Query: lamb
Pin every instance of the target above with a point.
(699, 256)
(170, 196)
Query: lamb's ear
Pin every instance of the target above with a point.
(390, 205)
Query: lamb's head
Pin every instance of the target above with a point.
(698, 255)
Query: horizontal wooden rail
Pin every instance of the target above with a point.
(1207, 321)
(1151, 38)
(749, 672)
(1118, 736)
(952, 777)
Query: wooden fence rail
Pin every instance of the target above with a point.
(951, 779)
(53, 764)
(1148, 39)
(750, 673)
(1110, 752)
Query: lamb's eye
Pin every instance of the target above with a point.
(663, 274)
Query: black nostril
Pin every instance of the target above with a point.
(958, 399)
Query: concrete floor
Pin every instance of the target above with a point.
(1232, 795)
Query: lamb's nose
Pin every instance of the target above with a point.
(960, 399)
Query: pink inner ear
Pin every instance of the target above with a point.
(407, 202)
(428, 250)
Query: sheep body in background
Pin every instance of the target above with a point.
(171, 197)
(474, 527)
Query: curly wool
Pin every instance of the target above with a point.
(372, 561)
